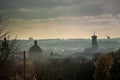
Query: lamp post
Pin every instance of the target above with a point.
(24, 65)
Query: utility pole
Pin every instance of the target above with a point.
(24, 65)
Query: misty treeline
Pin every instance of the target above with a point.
(104, 67)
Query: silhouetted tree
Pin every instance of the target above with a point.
(64, 69)
(7, 47)
(103, 66)
(115, 71)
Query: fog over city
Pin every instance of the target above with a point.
(59, 39)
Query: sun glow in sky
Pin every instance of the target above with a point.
(43, 19)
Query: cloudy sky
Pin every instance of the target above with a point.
(43, 19)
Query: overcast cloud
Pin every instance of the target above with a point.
(54, 8)
(80, 16)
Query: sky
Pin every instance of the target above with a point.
(44, 19)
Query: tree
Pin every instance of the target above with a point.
(7, 47)
(103, 66)
(115, 71)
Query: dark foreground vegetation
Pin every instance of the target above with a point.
(105, 67)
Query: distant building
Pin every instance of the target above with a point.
(108, 37)
(35, 53)
(30, 38)
(94, 45)
(94, 42)
(4, 48)
(35, 49)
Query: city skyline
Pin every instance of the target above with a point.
(45, 19)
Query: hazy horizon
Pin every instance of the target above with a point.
(32, 38)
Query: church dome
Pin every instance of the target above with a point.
(35, 48)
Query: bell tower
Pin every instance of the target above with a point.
(94, 42)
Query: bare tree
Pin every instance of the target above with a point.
(7, 47)
(103, 66)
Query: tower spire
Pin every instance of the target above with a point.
(94, 32)
(94, 41)
(35, 42)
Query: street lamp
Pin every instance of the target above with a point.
(24, 54)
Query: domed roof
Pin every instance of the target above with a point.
(35, 48)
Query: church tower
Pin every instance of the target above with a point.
(35, 49)
(94, 42)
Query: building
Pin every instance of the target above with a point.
(94, 45)
(4, 50)
(94, 42)
(5, 47)
(35, 49)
